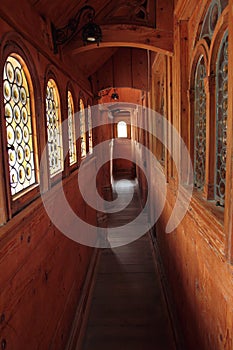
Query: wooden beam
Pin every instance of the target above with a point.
(124, 35)
(184, 9)
(35, 29)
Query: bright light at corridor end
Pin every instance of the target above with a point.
(72, 226)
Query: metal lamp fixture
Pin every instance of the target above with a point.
(115, 96)
(91, 32)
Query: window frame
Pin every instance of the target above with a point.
(89, 130)
(201, 50)
(74, 164)
(12, 204)
(82, 135)
(210, 51)
(56, 177)
(126, 129)
(219, 52)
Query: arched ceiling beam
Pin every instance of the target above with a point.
(123, 35)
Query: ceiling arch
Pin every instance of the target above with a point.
(125, 35)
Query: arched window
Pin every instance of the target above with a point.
(90, 130)
(53, 116)
(71, 130)
(200, 125)
(18, 116)
(82, 128)
(121, 129)
(221, 119)
(211, 18)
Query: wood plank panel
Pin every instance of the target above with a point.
(41, 278)
(122, 67)
(128, 310)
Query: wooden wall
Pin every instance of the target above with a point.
(42, 275)
(42, 272)
(128, 67)
(195, 256)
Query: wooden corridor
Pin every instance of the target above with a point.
(128, 309)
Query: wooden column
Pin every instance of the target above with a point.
(229, 180)
(184, 103)
(191, 100)
(104, 133)
(3, 204)
(176, 92)
(210, 89)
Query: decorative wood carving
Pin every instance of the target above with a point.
(133, 12)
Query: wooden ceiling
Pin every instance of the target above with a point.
(134, 23)
(107, 11)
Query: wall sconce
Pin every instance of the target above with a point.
(115, 96)
(91, 32)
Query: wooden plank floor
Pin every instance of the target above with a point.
(128, 309)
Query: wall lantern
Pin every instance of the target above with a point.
(91, 32)
(115, 96)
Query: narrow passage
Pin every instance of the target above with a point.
(128, 309)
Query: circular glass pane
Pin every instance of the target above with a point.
(10, 135)
(16, 113)
(18, 134)
(12, 157)
(7, 90)
(23, 96)
(26, 134)
(8, 113)
(15, 93)
(18, 77)
(10, 72)
(21, 174)
(13, 178)
(24, 115)
(27, 153)
(28, 172)
(20, 154)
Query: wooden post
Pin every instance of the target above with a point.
(210, 89)
(184, 103)
(229, 163)
(3, 204)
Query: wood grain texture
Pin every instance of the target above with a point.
(128, 310)
(41, 278)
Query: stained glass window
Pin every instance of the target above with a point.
(54, 128)
(121, 129)
(90, 130)
(82, 128)
(211, 18)
(221, 120)
(71, 130)
(17, 103)
(200, 125)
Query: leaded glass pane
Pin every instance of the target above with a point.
(71, 130)
(90, 130)
(211, 18)
(200, 125)
(17, 103)
(54, 129)
(82, 128)
(221, 120)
